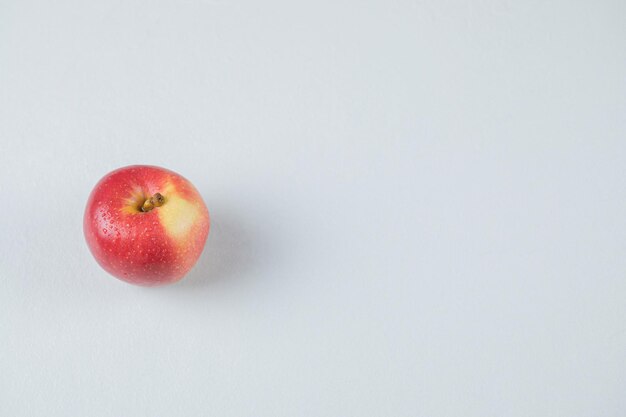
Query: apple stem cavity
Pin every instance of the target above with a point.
(157, 200)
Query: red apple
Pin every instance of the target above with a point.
(146, 225)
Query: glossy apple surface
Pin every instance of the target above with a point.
(146, 225)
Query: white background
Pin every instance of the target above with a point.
(419, 207)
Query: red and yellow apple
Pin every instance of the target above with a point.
(146, 225)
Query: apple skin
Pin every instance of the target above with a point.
(149, 248)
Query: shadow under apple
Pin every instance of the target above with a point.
(227, 254)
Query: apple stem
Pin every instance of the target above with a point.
(157, 200)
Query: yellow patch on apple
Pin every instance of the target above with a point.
(178, 216)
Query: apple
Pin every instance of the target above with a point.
(146, 225)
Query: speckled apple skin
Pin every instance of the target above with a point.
(152, 248)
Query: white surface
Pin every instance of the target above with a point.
(418, 207)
